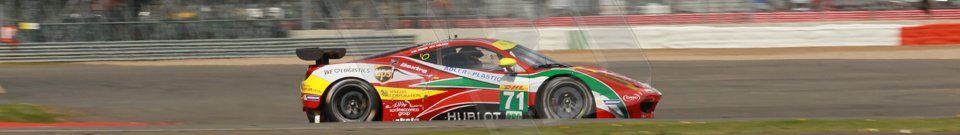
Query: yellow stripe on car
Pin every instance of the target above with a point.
(393, 93)
(314, 85)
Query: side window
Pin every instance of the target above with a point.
(471, 57)
(430, 56)
(466, 57)
(490, 60)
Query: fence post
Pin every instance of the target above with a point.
(306, 13)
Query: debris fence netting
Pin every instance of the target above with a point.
(117, 20)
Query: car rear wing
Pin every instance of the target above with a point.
(321, 55)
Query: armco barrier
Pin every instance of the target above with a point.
(189, 49)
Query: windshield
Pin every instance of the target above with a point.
(531, 57)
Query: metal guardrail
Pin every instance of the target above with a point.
(191, 49)
(158, 30)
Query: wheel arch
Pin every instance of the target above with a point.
(551, 78)
(327, 89)
(376, 94)
(543, 86)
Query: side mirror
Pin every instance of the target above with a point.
(507, 65)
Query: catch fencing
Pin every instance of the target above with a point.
(192, 49)
(690, 18)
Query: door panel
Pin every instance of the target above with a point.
(402, 99)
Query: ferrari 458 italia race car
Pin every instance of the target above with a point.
(464, 79)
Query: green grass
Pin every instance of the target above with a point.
(799, 126)
(27, 113)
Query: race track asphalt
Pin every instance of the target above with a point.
(267, 95)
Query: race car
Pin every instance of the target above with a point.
(464, 79)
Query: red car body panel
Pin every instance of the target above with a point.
(453, 103)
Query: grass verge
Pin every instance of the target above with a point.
(798, 126)
(27, 113)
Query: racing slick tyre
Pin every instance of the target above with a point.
(351, 100)
(565, 98)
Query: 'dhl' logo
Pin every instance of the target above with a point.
(384, 73)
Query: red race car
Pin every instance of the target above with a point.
(465, 79)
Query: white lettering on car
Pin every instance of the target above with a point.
(346, 70)
(470, 73)
(414, 68)
(473, 115)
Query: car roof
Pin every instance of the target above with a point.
(486, 41)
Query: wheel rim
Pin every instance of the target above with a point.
(353, 105)
(566, 102)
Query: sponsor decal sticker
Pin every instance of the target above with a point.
(391, 93)
(611, 102)
(514, 87)
(631, 97)
(471, 73)
(346, 70)
(428, 47)
(383, 73)
(513, 103)
(414, 68)
(314, 85)
(311, 98)
(403, 108)
(473, 115)
(407, 119)
(424, 56)
(514, 114)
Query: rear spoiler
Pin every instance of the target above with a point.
(321, 55)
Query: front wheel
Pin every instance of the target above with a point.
(351, 100)
(565, 98)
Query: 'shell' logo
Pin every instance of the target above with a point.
(384, 73)
(631, 98)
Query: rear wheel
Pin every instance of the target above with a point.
(565, 98)
(351, 100)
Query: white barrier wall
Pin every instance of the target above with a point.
(714, 37)
(652, 37)
(768, 37)
(542, 39)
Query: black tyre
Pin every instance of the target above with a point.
(565, 98)
(351, 100)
